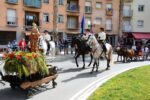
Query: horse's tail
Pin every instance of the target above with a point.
(110, 53)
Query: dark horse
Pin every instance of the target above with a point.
(81, 48)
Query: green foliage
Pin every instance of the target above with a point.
(130, 85)
(23, 63)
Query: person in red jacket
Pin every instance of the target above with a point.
(22, 45)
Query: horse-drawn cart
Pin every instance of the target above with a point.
(27, 71)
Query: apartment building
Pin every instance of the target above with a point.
(135, 20)
(60, 16)
(17, 16)
(97, 13)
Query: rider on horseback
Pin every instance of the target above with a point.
(47, 38)
(89, 33)
(102, 39)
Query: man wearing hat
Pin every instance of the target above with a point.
(102, 38)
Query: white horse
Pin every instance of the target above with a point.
(97, 51)
(42, 45)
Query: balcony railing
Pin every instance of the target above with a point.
(127, 28)
(29, 27)
(127, 13)
(109, 12)
(33, 3)
(72, 25)
(128, 0)
(12, 21)
(12, 1)
(28, 24)
(88, 9)
(73, 8)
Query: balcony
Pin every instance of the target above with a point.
(72, 26)
(33, 3)
(12, 21)
(12, 1)
(127, 28)
(128, 0)
(72, 8)
(127, 13)
(28, 24)
(109, 12)
(88, 9)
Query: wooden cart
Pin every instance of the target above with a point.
(27, 84)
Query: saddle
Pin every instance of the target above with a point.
(103, 45)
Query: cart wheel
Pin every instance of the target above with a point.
(13, 86)
(29, 93)
(54, 83)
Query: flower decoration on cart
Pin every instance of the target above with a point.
(24, 64)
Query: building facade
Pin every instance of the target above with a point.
(135, 20)
(17, 16)
(61, 16)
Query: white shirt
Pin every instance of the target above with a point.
(102, 35)
(47, 37)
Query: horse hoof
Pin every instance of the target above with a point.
(96, 71)
(91, 72)
(83, 67)
(107, 68)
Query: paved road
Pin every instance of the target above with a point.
(73, 83)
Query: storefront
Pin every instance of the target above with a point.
(7, 36)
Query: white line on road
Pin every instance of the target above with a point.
(87, 91)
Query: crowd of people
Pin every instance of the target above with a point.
(23, 45)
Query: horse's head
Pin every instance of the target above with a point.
(75, 41)
(91, 40)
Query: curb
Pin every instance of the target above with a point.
(87, 91)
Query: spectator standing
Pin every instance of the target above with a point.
(47, 38)
(22, 45)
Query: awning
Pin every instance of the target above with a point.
(141, 35)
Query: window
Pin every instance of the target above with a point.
(140, 23)
(61, 2)
(108, 24)
(141, 8)
(11, 17)
(60, 18)
(87, 22)
(98, 5)
(46, 1)
(109, 9)
(72, 22)
(98, 21)
(46, 17)
(88, 7)
(109, 6)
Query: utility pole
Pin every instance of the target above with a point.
(55, 15)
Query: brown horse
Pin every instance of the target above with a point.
(125, 53)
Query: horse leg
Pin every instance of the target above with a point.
(93, 66)
(91, 60)
(108, 64)
(117, 58)
(76, 59)
(97, 65)
(83, 58)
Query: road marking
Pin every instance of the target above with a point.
(87, 91)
